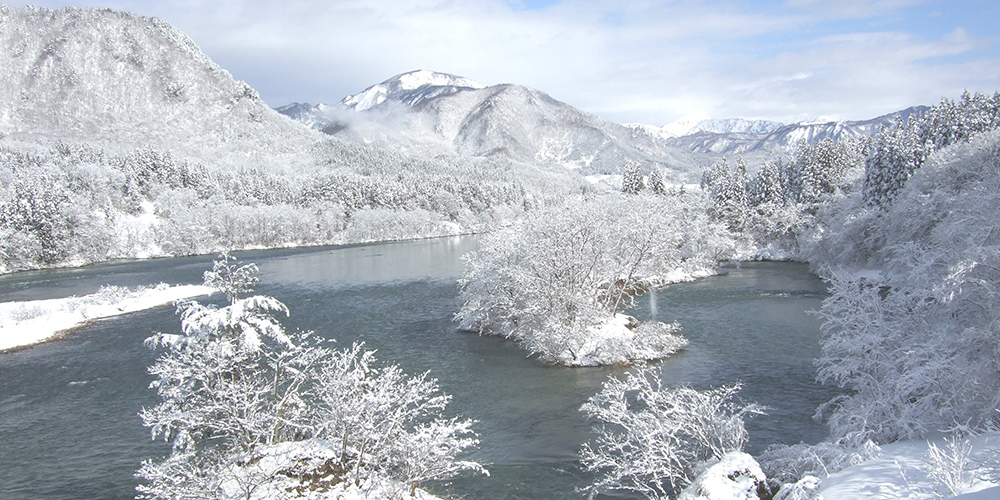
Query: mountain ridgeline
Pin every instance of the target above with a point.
(772, 137)
(437, 113)
(447, 114)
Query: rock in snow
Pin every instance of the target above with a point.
(737, 476)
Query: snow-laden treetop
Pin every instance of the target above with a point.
(405, 83)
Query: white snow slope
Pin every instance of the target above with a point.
(899, 473)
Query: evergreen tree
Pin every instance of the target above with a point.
(632, 179)
(656, 182)
(900, 149)
(728, 188)
(894, 157)
(766, 186)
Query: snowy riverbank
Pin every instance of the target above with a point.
(32, 322)
(900, 473)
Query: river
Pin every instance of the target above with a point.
(68, 409)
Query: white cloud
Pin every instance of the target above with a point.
(646, 61)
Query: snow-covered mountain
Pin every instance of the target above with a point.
(313, 116)
(119, 138)
(410, 89)
(436, 113)
(113, 78)
(694, 124)
(744, 136)
(431, 113)
(737, 126)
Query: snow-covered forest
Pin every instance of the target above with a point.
(75, 204)
(906, 235)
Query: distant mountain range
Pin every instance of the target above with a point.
(438, 113)
(694, 124)
(738, 136)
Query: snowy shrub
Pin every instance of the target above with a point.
(25, 312)
(791, 463)
(806, 488)
(619, 340)
(652, 438)
(950, 467)
(553, 280)
(254, 412)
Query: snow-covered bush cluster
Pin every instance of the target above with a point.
(557, 280)
(254, 412)
(653, 439)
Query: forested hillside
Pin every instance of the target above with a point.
(904, 227)
(121, 139)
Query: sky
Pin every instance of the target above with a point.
(641, 61)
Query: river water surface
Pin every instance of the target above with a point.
(69, 427)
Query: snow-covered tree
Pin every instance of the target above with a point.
(895, 156)
(902, 148)
(652, 437)
(656, 182)
(728, 188)
(766, 186)
(253, 412)
(632, 178)
(557, 281)
(230, 278)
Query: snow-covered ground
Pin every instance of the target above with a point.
(900, 473)
(31, 322)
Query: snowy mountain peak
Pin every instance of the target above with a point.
(409, 88)
(683, 126)
(416, 79)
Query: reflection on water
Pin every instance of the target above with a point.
(68, 409)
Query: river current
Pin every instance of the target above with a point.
(69, 427)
